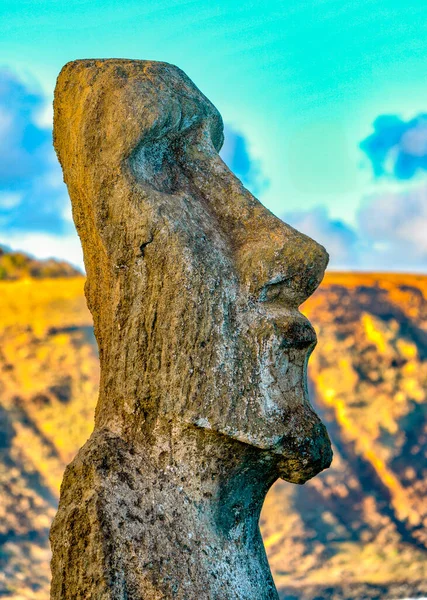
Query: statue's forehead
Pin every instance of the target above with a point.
(157, 80)
(157, 95)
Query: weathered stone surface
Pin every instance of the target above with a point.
(194, 288)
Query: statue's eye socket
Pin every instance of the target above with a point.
(154, 163)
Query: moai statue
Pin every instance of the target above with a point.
(194, 288)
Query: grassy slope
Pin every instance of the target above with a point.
(359, 526)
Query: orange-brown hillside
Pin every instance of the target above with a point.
(356, 531)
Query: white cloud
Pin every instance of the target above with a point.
(390, 232)
(394, 222)
(43, 245)
(5, 122)
(44, 117)
(10, 199)
(414, 141)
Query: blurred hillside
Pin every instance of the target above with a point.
(359, 529)
(356, 531)
(15, 265)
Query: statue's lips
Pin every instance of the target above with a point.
(303, 457)
(305, 449)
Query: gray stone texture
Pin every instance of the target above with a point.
(194, 288)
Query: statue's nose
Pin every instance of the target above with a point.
(275, 261)
(278, 263)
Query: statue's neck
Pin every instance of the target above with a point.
(172, 513)
(201, 504)
(226, 479)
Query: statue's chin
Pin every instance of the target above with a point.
(303, 459)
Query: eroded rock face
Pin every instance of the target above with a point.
(194, 288)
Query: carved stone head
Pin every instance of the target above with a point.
(193, 284)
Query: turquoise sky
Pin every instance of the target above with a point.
(302, 80)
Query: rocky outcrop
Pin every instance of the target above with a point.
(194, 289)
